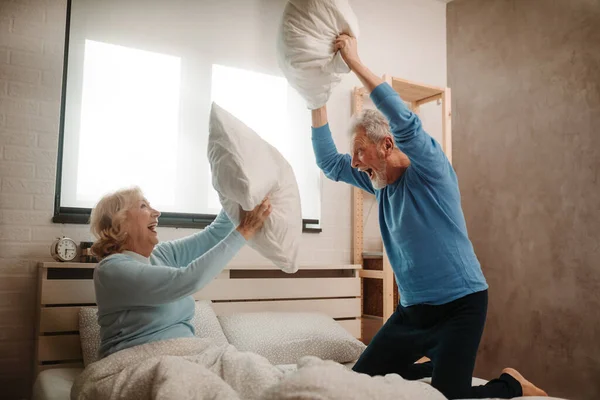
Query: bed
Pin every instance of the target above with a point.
(65, 288)
(321, 300)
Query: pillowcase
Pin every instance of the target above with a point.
(89, 334)
(205, 323)
(245, 169)
(305, 45)
(285, 337)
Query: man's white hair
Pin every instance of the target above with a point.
(374, 123)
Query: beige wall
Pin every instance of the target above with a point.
(31, 54)
(525, 76)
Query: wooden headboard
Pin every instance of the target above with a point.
(63, 288)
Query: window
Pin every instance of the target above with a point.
(132, 117)
(128, 128)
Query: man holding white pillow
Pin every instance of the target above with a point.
(443, 292)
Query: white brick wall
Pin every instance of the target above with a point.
(16, 170)
(11, 201)
(31, 37)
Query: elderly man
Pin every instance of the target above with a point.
(443, 292)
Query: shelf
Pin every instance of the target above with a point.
(415, 92)
(372, 274)
(370, 326)
(375, 317)
(372, 255)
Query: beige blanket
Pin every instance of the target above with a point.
(187, 368)
(194, 368)
(318, 379)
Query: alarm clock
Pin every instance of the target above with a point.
(63, 249)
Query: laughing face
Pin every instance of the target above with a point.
(140, 226)
(369, 157)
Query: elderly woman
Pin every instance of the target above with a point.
(144, 288)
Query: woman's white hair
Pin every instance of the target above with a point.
(374, 123)
(107, 221)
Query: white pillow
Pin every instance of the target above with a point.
(305, 46)
(205, 322)
(285, 337)
(89, 334)
(245, 169)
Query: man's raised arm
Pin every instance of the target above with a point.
(423, 151)
(335, 166)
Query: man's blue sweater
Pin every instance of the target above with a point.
(420, 215)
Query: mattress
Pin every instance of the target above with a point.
(55, 384)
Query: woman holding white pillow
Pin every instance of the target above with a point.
(143, 288)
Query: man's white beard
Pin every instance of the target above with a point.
(379, 180)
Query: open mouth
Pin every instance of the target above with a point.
(152, 227)
(369, 172)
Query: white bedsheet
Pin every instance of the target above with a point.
(55, 384)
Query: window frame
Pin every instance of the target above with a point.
(76, 215)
